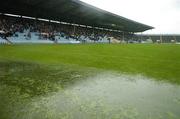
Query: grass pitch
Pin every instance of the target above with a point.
(158, 61)
(30, 73)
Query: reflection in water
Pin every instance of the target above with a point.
(106, 96)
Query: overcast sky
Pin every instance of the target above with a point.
(164, 15)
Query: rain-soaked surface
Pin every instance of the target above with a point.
(104, 96)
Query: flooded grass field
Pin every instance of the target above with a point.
(33, 87)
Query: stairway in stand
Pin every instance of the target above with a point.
(8, 41)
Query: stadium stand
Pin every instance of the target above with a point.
(159, 38)
(99, 26)
(31, 31)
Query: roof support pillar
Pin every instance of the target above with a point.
(161, 39)
(123, 36)
(175, 39)
(74, 29)
(93, 30)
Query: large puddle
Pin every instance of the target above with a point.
(107, 96)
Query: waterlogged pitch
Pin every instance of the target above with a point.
(90, 81)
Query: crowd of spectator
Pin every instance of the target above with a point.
(47, 29)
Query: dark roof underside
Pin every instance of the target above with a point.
(71, 11)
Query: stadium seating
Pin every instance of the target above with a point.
(3, 41)
(28, 31)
